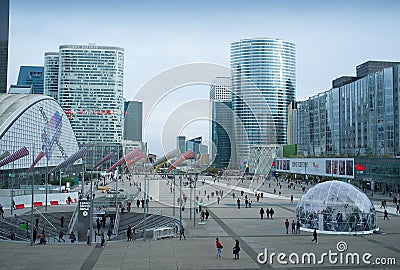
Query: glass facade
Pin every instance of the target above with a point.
(358, 119)
(38, 123)
(4, 25)
(133, 111)
(32, 75)
(337, 207)
(263, 75)
(90, 90)
(51, 65)
(222, 134)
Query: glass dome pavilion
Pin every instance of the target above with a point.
(336, 207)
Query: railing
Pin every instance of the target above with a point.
(73, 220)
(6, 236)
(51, 224)
(116, 223)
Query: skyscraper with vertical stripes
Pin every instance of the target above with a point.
(263, 73)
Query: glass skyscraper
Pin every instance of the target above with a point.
(51, 65)
(32, 75)
(263, 74)
(133, 111)
(222, 134)
(4, 26)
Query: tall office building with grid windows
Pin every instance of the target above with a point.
(263, 72)
(90, 91)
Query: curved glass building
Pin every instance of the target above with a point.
(263, 74)
(38, 123)
(336, 207)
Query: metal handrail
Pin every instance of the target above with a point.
(73, 219)
(46, 219)
(6, 233)
(116, 223)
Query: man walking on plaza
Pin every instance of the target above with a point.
(287, 226)
(238, 203)
(219, 247)
(262, 212)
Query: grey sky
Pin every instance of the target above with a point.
(331, 37)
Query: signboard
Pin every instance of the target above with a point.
(334, 167)
(83, 219)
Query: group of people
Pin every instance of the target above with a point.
(295, 226)
(235, 249)
(270, 213)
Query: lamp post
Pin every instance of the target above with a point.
(180, 206)
(32, 190)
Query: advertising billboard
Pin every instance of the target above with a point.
(334, 167)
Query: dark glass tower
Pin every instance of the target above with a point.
(4, 15)
(133, 120)
(31, 75)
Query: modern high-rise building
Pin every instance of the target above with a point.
(4, 29)
(90, 91)
(133, 112)
(361, 118)
(32, 75)
(222, 134)
(51, 65)
(263, 74)
(181, 144)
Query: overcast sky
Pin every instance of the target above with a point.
(331, 37)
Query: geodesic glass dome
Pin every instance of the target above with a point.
(336, 207)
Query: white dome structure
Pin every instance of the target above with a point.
(336, 207)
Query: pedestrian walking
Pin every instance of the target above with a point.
(182, 233)
(315, 237)
(262, 212)
(103, 241)
(238, 203)
(35, 232)
(12, 234)
(236, 249)
(207, 214)
(109, 233)
(61, 236)
(298, 225)
(219, 247)
(271, 212)
(88, 233)
(267, 213)
(291, 198)
(287, 226)
(293, 227)
(129, 233)
(398, 208)
(1, 211)
(385, 215)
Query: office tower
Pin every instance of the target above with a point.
(194, 145)
(90, 88)
(263, 85)
(32, 75)
(4, 29)
(51, 65)
(133, 111)
(222, 134)
(360, 118)
(181, 144)
(369, 67)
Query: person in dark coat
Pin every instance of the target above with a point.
(262, 212)
(236, 249)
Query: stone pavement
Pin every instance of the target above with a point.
(198, 250)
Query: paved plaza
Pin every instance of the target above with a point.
(226, 222)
